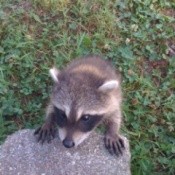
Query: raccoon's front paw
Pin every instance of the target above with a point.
(114, 144)
(45, 133)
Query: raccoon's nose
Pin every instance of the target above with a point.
(68, 143)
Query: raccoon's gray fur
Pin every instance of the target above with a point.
(86, 93)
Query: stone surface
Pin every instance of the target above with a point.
(22, 155)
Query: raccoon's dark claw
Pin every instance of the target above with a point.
(45, 133)
(114, 144)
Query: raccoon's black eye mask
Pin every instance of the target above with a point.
(60, 117)
(85, 124)
(88, 122)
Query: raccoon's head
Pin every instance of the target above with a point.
(80, 105)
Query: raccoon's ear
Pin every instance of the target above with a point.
(109, 85)
(54, 72)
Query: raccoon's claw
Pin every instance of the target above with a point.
(114, 144)
(45, 133)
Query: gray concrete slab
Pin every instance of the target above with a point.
(22, 155)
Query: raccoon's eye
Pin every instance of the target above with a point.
(85, 118)
(61, 118)
(88, 122)
(62, 114)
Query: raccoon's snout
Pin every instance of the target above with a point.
(68, 143)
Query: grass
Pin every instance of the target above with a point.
(137, 36)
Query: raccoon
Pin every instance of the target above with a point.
(85, 94)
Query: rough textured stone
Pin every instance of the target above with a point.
(21, 155)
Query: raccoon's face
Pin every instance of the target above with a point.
(79, 108)
(71, 131)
